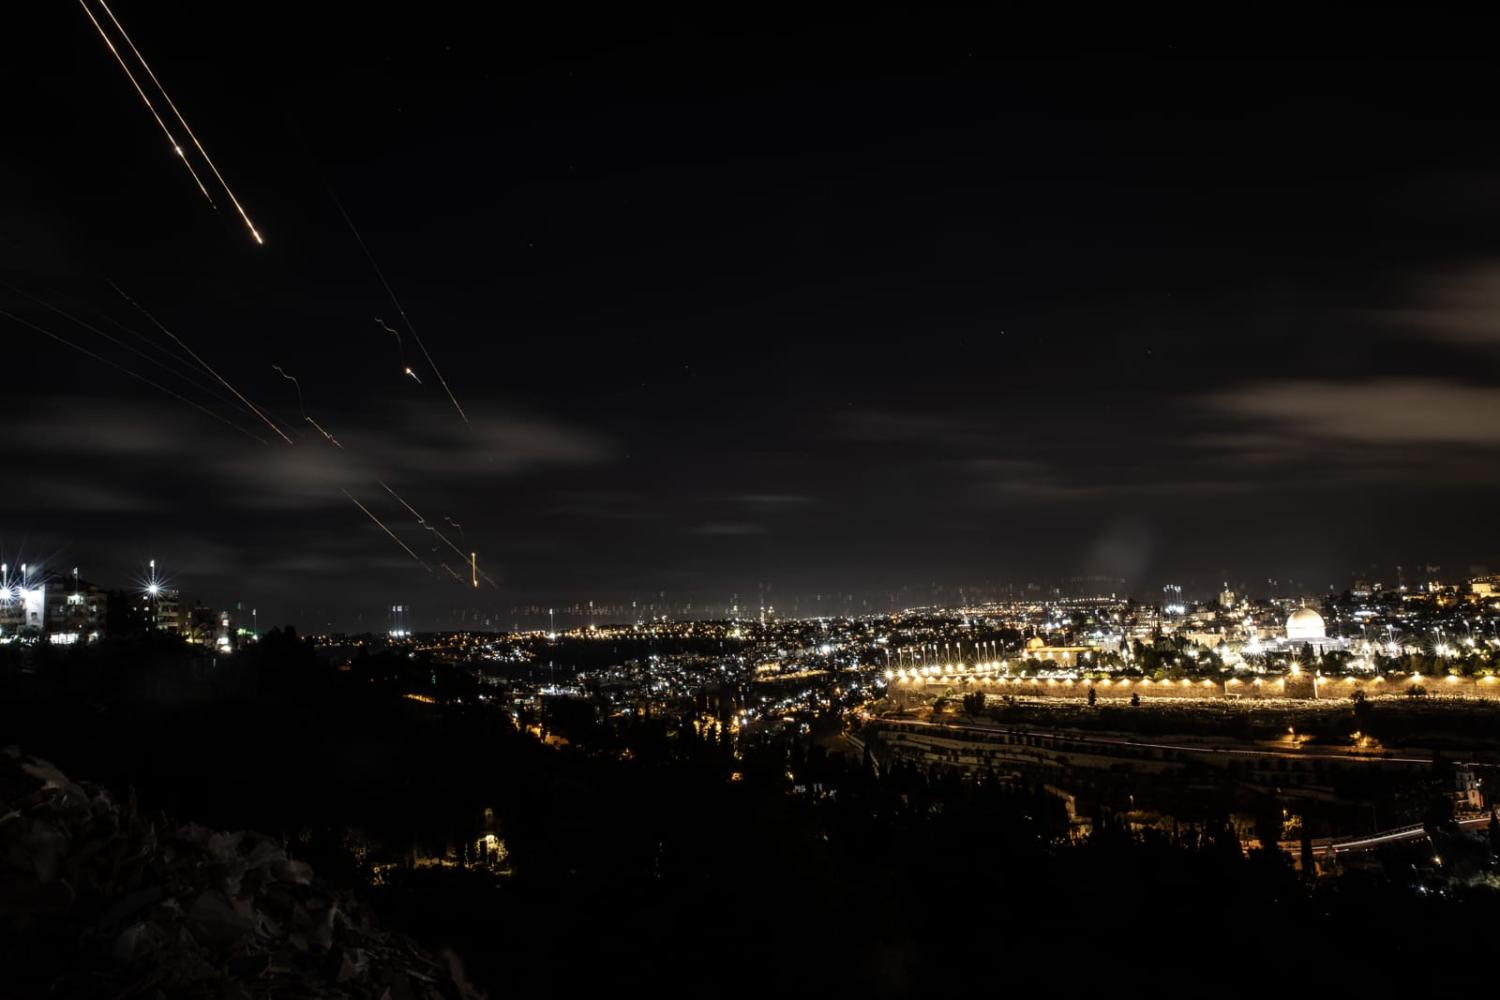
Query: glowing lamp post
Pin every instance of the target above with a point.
(153, 591)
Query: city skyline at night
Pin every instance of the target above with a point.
(507, 500)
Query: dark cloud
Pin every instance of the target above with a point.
(727, 528)
(1374, 412)
(1461, 305)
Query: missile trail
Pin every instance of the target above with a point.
(133, 374)
(423, 522)
(186, 372)
(295, 384)
(400, 348)
(399, 308)
(194, 355)
(319, 428)
(303, 410)
(173, 356)
(176, 146)
(420, 519)
(381, 524)
(185, 126)
(406, 369)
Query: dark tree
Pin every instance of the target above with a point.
(1361, 710)
(1268, 825)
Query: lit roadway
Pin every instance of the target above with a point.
(1372, 840)
(1198, 748)
(1340, 845)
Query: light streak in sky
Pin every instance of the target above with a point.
(204, 364)
(186, 372)
(295, 384)
(420, 519)
(302, 410)
(400, 309)
(406, 369)
(133, 374)
(381, 524)
(451, 573)
(185, 126)
(423, 522)
(319, 428)
(176, 146)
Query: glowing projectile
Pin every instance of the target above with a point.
(185, 126)
(203, 364)
(474, 570)
(406, 369)
(381, 525)
(176, 146)
(399, 308)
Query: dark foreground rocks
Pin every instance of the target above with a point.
(100, 900)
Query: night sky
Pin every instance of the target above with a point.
(828, 308)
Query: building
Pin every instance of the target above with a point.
(399, 628)
(66, 610)
(205, 626)
(1305, 628)
(74, 613)
(159, 609)
(1063, 656)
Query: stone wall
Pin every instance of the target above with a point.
(1304, 686)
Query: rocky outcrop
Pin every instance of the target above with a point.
(100, 900)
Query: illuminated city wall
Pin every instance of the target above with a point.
(1121, 689)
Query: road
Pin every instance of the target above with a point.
(1106, 741)
(1366, 842)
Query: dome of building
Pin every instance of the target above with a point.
(1035, 642)
(1305, 624)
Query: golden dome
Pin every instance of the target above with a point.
(1305, 623)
